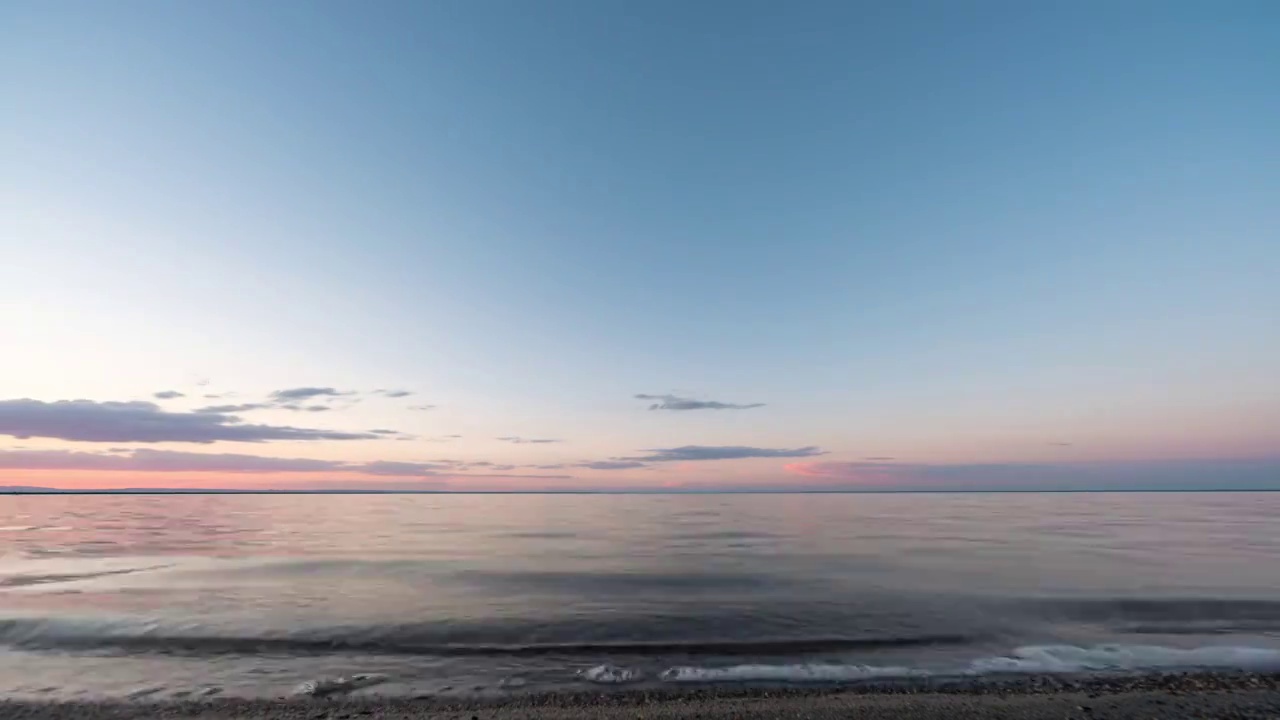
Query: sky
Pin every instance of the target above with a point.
(575, 244)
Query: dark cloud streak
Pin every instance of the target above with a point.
(292, 395)
(612, 465)
(720, 452)
(142, 422)
(228, 409)
(673, 402)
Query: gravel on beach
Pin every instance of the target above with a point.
(1237, 696)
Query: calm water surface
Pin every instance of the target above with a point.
(173, 596)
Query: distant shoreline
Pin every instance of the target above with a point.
(217, 491)
(1202, 695)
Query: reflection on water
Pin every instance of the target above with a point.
(482, 586)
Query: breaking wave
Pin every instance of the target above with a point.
(611, 675)
(325, 687)
(1069, 658)
(1034, 659)
(786, 673)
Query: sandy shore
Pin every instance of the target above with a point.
(1235, 696)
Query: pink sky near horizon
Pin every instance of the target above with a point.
(892, 456)
(67, 445)
(823, 472)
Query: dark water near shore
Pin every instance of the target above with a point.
(174, 596)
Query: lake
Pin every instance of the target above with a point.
(193, 595)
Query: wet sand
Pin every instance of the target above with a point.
(1237, 696)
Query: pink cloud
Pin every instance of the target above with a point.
(857, 472)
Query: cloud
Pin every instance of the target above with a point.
(1137, 475)
(168, 395)
(611, 465)
(721, 452)
(281, 400)
(149, 460)
(673, 402)
(463, 465)
(880, 458)
(1061, 444)
(527, 441)
(393, 393)
(422, 407)
(292, 395)
(143, 422)
(386, 467)
(384, 431)
(227, 409)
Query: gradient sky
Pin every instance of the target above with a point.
(864, 244)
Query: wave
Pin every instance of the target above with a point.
(1034, 659)
(1070, 658)
(611, 675)
(325, 687)
(49, 578)
(154, 636)
(786, 673)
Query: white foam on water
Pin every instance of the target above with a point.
(610, 674)
(1070, 658)
(145, 692)
(324, 687)
(786, 673)
(1033, 659)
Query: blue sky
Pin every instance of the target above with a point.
(946, 233)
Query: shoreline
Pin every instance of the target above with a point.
(1219, 694)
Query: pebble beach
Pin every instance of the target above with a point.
(1239, 696)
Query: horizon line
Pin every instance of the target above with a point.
(845, 491)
